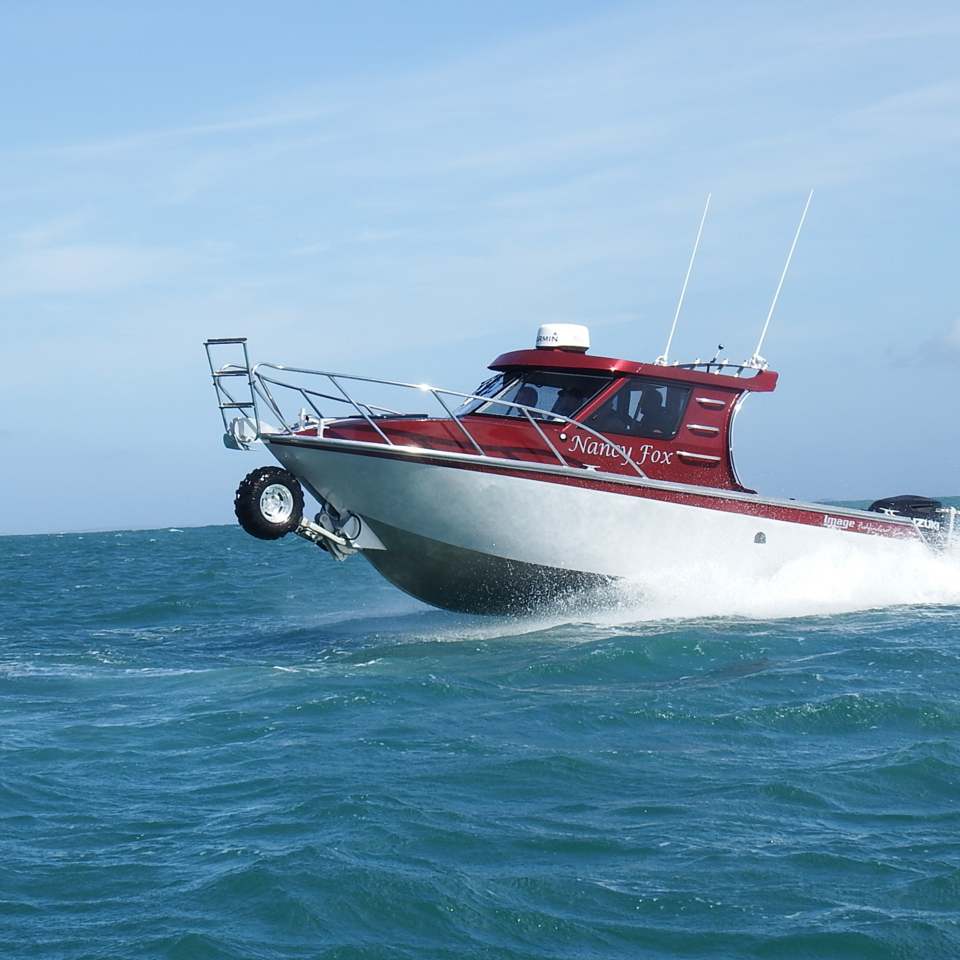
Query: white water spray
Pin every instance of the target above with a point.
(839, 578)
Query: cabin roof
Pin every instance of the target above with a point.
(762, 381)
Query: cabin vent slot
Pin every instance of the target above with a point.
(703, 459)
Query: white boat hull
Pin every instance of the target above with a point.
(488, 540)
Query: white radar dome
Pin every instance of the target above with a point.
(563, 336)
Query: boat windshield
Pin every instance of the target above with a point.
(489, 388)
(559, 393)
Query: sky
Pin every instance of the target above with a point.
(409, 190)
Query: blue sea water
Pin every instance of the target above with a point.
(214, 747)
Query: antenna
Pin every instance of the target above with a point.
(756, 360)
(662, 360)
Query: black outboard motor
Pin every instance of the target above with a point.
(931, 517)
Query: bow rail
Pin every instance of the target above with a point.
(265, 381)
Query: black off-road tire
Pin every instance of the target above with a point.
(248, 505)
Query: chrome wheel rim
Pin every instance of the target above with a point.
(276, 503)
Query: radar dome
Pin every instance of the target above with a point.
(563, 336)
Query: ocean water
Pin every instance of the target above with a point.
(216, 748)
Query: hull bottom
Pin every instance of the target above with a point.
(467, 581)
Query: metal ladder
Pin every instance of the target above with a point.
(225, 399)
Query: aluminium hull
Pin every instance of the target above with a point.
(466, 535)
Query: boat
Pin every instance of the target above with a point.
(563, 473)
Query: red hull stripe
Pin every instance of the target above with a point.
(758, 509)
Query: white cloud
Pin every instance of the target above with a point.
(149, 139)
(83, 268)
(53, 230)
(607, 88)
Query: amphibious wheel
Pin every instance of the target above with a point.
(269, 503)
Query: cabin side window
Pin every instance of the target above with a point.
(642, 408)
(551, 391)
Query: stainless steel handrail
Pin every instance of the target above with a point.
(260, 381)
(527, 411)
(366, 416)
(717, 366)
(459, 423)
(326, 396)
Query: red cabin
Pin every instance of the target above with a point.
(673, 423)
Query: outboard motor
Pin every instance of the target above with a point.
(935, 522)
